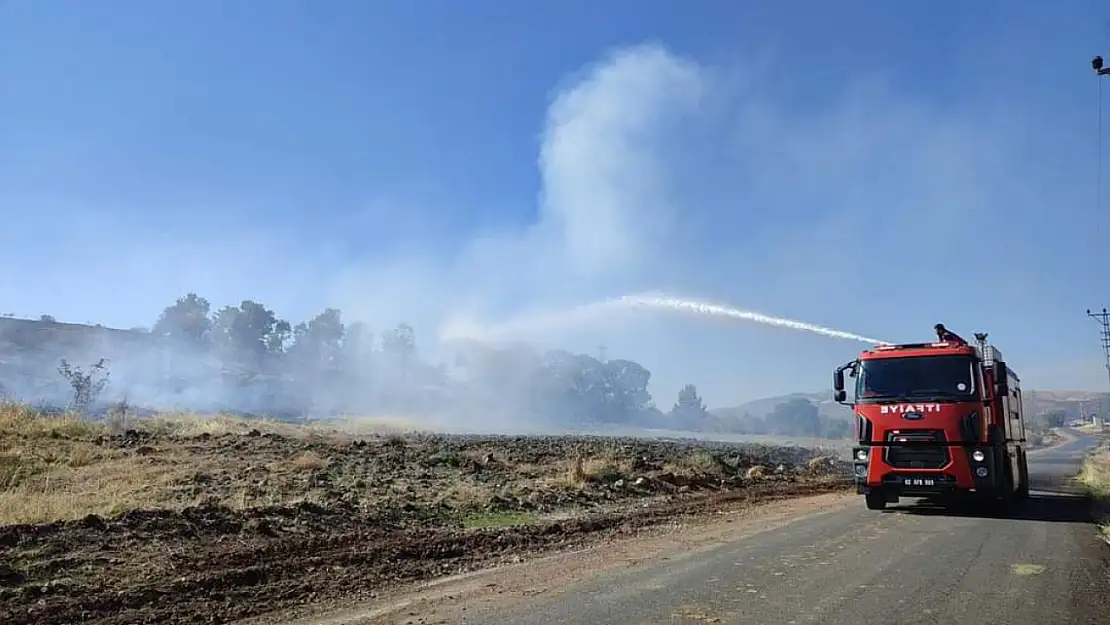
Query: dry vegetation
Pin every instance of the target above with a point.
(167, 518)
(1096, 477)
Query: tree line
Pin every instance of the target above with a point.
(245, 358)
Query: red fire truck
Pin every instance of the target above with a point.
(941, 420)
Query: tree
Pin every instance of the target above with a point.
(358, 345)
(399, 344)
(626, 385)
(243, 330)
(591, 390)
(836, 428)
(278, 337)
(795, 417)
(186, 320)
(318, 343)
(86, 386)
(689, 409)
(1056, 418)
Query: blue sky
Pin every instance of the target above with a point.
(874, 167)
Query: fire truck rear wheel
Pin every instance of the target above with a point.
(1005, 494)
(1023, 475)
(875, 499)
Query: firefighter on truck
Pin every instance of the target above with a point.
(940, 420)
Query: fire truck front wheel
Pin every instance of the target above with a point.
(875, 499)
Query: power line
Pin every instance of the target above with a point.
(1103, 319)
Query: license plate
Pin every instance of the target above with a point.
(919, 481)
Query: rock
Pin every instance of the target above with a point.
(619, 483)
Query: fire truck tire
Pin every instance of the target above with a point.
(1023, 475)
(875, 499)
(1005, 493)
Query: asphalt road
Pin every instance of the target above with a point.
(909, 564)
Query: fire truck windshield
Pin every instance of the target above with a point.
(921, 378)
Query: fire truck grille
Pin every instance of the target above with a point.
(917, 449)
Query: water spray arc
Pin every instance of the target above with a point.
(655, 302)
(704, 308)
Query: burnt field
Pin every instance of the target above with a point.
(187, 519)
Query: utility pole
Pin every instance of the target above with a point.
(1096, 64)
(1100, 71)
(1103, 319)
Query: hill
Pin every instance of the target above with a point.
(762, 408)
(1052, 407)
(153, 371)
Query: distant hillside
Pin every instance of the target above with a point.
(761, 408)
(30, 351)
(1072, 404)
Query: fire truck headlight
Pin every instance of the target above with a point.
(978, 456)
(861, 455)
(981, 471)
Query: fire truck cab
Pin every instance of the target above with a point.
(941, 420)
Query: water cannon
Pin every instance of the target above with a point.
(981, 340)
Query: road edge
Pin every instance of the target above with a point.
(520, 579)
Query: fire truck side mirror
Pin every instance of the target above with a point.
(840, 396)
(838, 380)
(1001, 380)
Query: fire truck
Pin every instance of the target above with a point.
(940, 420)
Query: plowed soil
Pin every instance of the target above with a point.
(353, 516)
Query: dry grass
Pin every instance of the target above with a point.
(60, 467)
(614, 465)
(697, 462)
(497, 519)
(187, 425)
(1096, 478)
(21, 421)
(103, 486)
(1096, 473)
(52, 467)
(309, 461)
(466, 495)
(57, 467)
(584, 469)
